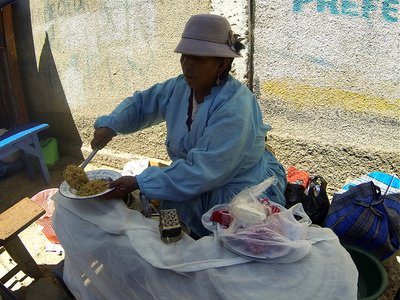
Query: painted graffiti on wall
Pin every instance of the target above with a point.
(388, 9)
(63, 8)
(341, 54)
(96, 43)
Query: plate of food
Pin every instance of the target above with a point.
(81, 185)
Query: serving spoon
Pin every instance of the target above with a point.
(89, 158)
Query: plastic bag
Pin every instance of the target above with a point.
(367, 213)
(314, 198)
(317, 204)
(280, 236)
(261, 229)
(298, 177)
(44, 199)
(246, 207)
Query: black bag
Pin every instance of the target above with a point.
(315, 200)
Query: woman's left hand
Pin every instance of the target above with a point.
(122, 187)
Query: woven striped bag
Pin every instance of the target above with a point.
(367, 214)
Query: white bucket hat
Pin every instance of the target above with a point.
(208, 35)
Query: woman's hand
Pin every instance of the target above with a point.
(122, 187)
(101, 137)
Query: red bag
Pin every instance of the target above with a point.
(296, 176)
(310, 192)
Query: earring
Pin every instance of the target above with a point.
(218, 80)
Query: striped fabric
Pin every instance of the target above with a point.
(388, 184)
(366, 213)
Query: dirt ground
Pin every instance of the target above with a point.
(12, 189)
(17, 186)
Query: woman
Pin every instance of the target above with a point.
(215, 138)
(215, 133)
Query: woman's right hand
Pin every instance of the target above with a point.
(101, 137)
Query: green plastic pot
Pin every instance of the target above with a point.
(50, 151)
(372, 276)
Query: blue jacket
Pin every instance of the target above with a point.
(222, 153)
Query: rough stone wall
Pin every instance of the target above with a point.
(327, 76)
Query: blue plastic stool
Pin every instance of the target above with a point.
(25, 138)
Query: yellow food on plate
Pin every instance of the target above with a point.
(93, 187)
(75, 176)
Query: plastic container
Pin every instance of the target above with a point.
(44, 200)
(372, 276)
(50, 151)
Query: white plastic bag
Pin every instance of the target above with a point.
(246, 207)
(265, 231)
(280, 236)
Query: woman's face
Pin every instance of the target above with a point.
(201, 72)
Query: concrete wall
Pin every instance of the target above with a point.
(326, 74)
(82, 57)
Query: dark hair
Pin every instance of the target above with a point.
(225, 73)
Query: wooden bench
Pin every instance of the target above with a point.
(12, 222)
(25, 138)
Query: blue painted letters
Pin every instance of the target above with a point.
(389, 9)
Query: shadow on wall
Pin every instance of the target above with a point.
(44, 94)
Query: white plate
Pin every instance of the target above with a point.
(236, 248)
(108, 175)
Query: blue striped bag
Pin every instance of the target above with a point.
(366, 213)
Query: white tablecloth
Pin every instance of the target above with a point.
(112, 252)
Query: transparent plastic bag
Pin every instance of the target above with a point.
(280, 235)
(260, 229)
(246, 207)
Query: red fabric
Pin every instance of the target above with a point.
(296, 176)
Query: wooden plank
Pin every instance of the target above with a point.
(7, 113)
(25, 262)
(22, 115)
(17, 218)
(10, 274)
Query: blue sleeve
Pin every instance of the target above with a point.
(232, 142)
(143, 109)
